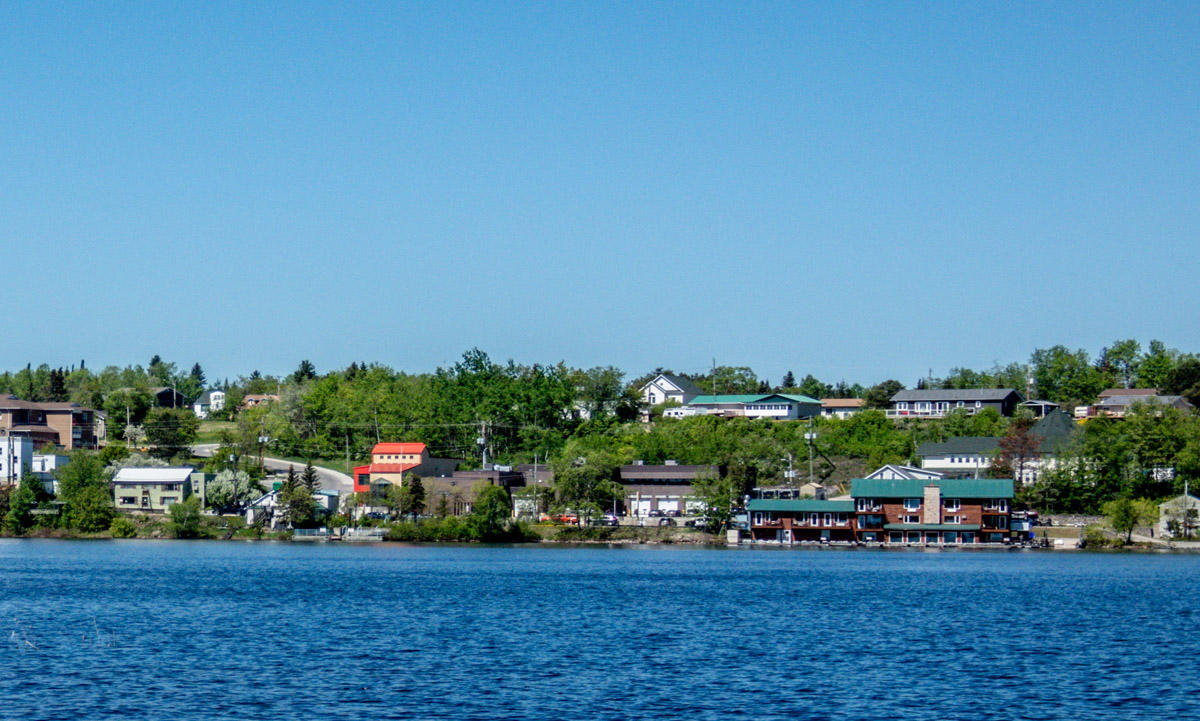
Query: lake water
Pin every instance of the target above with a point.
(180, 631)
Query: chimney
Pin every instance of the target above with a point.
(933, 505)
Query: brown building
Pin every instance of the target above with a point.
(66, 425)
(803, 519)
(943, 511)
(666, 490)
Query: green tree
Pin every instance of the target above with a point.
(1121, 360)
(171, 431)
(880, 396)
(1064, 376)
(1154, 371)
(721, 494)
(491, 511)
(83, 485)
(21, 502)
(814, 388)
(122, 527)
(310, 479)
(1126, 514)
(185, 518)
(306, 372)
(789, 382)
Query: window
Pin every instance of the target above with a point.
(902, 406)
(910, 519)
(953, 504)
(950, 537)
(978, 404)
(952, 519)
(959, 404)
(128, 500)
(758, 518)
(912, 504)
(814, 519)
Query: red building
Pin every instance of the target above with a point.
(797, 520)
(944, 511)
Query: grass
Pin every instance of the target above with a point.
(210, 431)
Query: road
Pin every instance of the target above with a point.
(330, 480)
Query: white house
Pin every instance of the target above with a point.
(16, 453)
(840, 407)
(1179, 517)
(666, 387)
(892, 472)
(776, 406)
(208, 402)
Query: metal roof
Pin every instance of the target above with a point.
(801, 505)
(743, 399)
(961, 394)
(915, 488)
(152, 475)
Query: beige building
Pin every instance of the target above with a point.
(150, 490)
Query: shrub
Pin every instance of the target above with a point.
(122, 528)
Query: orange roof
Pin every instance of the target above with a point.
(842, 402)
(392, 467)
(400, 448)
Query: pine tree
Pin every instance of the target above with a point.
(310, 478)
(789, 380)
(306, 371)
(198, 375)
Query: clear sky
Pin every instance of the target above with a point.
(858, 191)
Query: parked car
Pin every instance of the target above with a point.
(611, 520)
(655, 513)
(667, 522)
(672, 514)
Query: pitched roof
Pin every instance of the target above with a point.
(1056, 428)
(960, 444)
(390, 467)
(153, 475)
(744, 399)
(961, 394)
(842, 402)
(801, 505)
(907, 472)
(681, 383)
(950, 487)
(1110, 392)
(1128, 400)
(205, 399)
(415, 449)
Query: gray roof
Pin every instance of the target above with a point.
(964, 394)
(961, 444)
(1125, 401)
(1055, 429)
(684, 384)
(665, 472)
(205, 399)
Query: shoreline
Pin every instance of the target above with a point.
(711, 542)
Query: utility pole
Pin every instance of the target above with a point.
(482, 442)
(810, 436)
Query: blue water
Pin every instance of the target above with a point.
(176, 630)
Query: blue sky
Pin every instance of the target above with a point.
(859, 191)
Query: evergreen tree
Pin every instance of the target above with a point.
(310, 478)
(305, 372)
(789, 381)
(198, 375)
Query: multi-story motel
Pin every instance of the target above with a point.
(949, 511)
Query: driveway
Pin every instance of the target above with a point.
(330, 480)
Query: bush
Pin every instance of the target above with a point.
(1095, 537)
(185, 518)
(122, 528)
